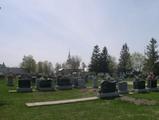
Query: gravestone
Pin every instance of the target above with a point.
(64, 83)
(123, 88)
(33, 80)
(45, 85)
(139, 86)
(108, 89)
(24, 85)
(152, 85)
(10, 80)
(81, 83)
(75, 82)
(95, 82)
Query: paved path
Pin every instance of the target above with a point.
(60, 102)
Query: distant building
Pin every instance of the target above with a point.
(11, 70)
(69, 71)
(17, 71)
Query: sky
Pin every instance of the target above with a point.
(49, 29)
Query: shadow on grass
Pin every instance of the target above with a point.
(2, 103)
(110, 98)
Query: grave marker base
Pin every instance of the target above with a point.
(140, 90)
(153, 89)
(24, 89)
(64, 87)
(46, 89)
(123, 92)
(108, 95)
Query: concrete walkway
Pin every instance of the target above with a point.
(35, 104)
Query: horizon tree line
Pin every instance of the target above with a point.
(102, 62)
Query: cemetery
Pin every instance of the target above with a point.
(72, 93)
(115, 96)
(79, 60)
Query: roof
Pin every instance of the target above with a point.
(7, 70)
(17, 71)
(3, 70)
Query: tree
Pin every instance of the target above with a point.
(50, 69)
(47, 68)
(124, 60)
(40, 67)
(95, 59)
(112, 65)
(29, 64)
(73, 62)
(104, 61)
(137, 61)
(151, 56)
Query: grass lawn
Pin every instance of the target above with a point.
(12, 107)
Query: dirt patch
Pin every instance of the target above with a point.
(89, 90)
(138, 101)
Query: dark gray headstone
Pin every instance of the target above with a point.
(95, 82)
(139, 86)
(108, 89)
(75, 82)
(10, 81)
(81, 83)
(24, 86)
(152, 83)
(45, 85)
(33, 79)
(123, 87)
(64, 83)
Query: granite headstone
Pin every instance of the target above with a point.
(108, 89)
(64, 83)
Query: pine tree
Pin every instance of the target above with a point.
(152, 56)
(112, 65)
(104, 61)
(124, 61)
(94, 65)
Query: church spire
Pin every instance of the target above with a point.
(69, 55)
(68, 62)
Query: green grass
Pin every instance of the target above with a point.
(12, 107)
(149, 96)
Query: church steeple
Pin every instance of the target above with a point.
(69, 55)
(68, 62)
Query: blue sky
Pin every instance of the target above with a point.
(48, 29)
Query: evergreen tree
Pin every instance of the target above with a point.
(94, 64)
(124, 61)
(104, 61)
(151, 56)
(112, 65)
